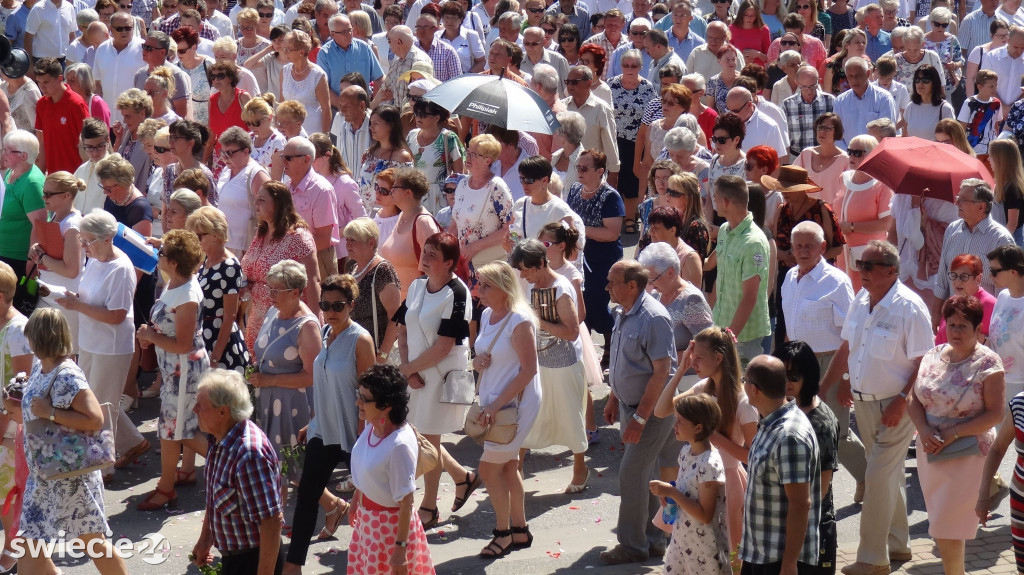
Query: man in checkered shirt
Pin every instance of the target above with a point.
(783, 496)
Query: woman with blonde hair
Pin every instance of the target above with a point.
(61, 269)
(855, 44)
(159, 86)
(950, 131)
(135, 106)
(379, 287)
(1009, 189)
(291, 115)
(329, 164)
(267, 141)
(483, 205)
(507, 362)
(249, 43)
(946, 45)
(303, 81)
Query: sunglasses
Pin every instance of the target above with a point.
(870, 265)
(122, 28)
(953, 276)
(995, 271)
(673, 194)
(86, 243)
(162, 254)
(720, 139)
(940, 24)
(922, 80)
(549, 31)
(583, 169)
(640, 33)
(535, 10)
(573, 82)
(722, 1)
(449, 190)
(274, 292)
(333, 305)
(148, 48)
(266, 14)
(255, 124)
(803, 7)
(856, 153)
(161, 149)
(789, 43)
(230, 153)
(382, 191)
(218, 76)
(51, 194)
(290, 157)
(527, 181)
(567, 39)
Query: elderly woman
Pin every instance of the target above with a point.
(23, 203)
(630, 93)
(176, 332)
(437, 151)
(863, 204)
(913, 56)
(891, 16)
(281, 235)
(104, 305)
(290, 117)
(999, 32)
(158, 145)
(433, 341)
(95, 140)
(946, 45)
(956, 402)
(226, 108)
(403, 246)
(344, 351)
(657, 177)
(249, 43)
(666, 226)
(384, 478)
(378, 282)
(388, 149)
(482, 211)
(965, 273)
(800, 206)
(561, 419)
(124, 200)
(928, 104)
(567, 144)
(72, 507)
(683, 299)
(197, 67)
(188, 141)
(61, 269)
(287, 344)
(855, 43)
(593, 56)
(221, 279)
(508, 364)
(240, 181)
(267, 141)
(825, 163)
(80, 80)
(135, 106)
(718, 86)
(305, 82)
(789, 62)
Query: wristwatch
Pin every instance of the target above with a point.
(638, 419)
(53, 413)
(402, 544)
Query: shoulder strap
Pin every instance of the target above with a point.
(373, 296)
(501, 328)
(415, 242)
(302, 321)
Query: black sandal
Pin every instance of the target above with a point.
(432, 523)
(497, 550)
(525, 529)
(471, 487)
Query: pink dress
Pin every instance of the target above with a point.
(735, 475)
(262, 254)
(867, 202)
(952, 393)
(830, 179)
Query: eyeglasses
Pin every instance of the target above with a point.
(738, 110)
(290, 157)
(449, 190)
(249, 28)
(344, 31)
(630, 67)
(274, 292)
(230, 153)
(641, 33)
(746, 381)
(527, 181)
(425, 27)
(122, 28)
(922, 80)
(574, 81)
(789, 42)
(808, 86)
(152, 93)
(953, 276)
(960, 200)
(583, 169)
(720, 139)
(51, 194)
(255, 124)
(940, 24)
(218, 76)
(549, 31)
(96, 148)
(148, 48)
(803, 6)
(266, 14)
(382, 191)
(563, 39)
(333, 305)
(995, 271)
(749, 166)
(108, 188)
(674, 194)
(362, 398)
(856, 153)
(870, 265)
(85, 243)
(161, 149)
(827, 128)
(722, 1)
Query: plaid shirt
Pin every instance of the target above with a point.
(169, 25)
(801, 117)
(784, 451)
(446, 60)
(609, 48)
(242, 487)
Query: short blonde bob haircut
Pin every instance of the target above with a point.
(362, 229)
(209, 220)
(8, 282)
(48, 333)
(487, 146)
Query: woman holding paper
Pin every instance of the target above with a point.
(58, 253)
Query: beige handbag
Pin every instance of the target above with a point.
(505, 425)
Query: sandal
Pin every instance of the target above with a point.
(184, 478)
(575, 488)
(338, 513)
(148, 505)
(432, 523)
(471, 487)
(346, 485)
(524, 530)
(493, 550)
(132, 454)
(629, 227)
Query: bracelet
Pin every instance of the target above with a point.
(955, 434)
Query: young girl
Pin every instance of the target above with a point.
(699, 543)
(712, 354)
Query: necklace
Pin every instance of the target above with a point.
(369, 439)
(127, 199)
(359, 273)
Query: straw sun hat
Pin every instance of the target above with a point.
(791, 179)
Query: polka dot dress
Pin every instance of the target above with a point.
(373, 541)
(218, 281)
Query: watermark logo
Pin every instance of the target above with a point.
(154, 548)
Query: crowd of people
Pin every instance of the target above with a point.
(255, 200)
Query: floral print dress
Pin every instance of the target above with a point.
(629, 105)
(697, 548)
(73, 505)
(368, 170)
(949, 51)
(434, 161)
(217, 281)
(265, 153)
(181, 372)
(480, 212)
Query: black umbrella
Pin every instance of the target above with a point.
(495, 100)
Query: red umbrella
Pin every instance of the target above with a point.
(922, 167)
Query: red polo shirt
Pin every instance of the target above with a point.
(61, 125)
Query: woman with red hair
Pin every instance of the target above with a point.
(965, 273)
(593, 56)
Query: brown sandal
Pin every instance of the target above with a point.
(132, 454)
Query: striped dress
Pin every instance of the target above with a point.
(1017, 484)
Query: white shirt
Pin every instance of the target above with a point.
(899, 93)
(884, 343)
(815, 306)
(762, 130)
(222, 23)
(51, 28)
(351, 143)
(1009, 71)
(246, 81)
(1007, 338)
(774, 112)
(538, 216)
(115, 71)
(386, 469)
(1015, 19)
(111, 285)
(92, 196)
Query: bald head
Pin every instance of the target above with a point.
(768, 374)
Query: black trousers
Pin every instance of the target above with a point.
(316, 474)
(19, 267)
(247, 562)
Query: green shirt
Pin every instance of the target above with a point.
(742, 254)
(22, 197)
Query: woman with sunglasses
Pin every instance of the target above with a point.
(825, 163)
(158, 144)
(240, 180)
(657, 186)
(188, 140)
(386, 212)
(197, 66)
(816, 22)
(729, 159)
(569, 43)
(412, 227)
(862, 207)
(388, 149)
(437, 150)
(946, 45)
(750, 33)
(855, 43)
(928, 104)
(267, 141)
(226, 109)
(159, 85)
(683, 194)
